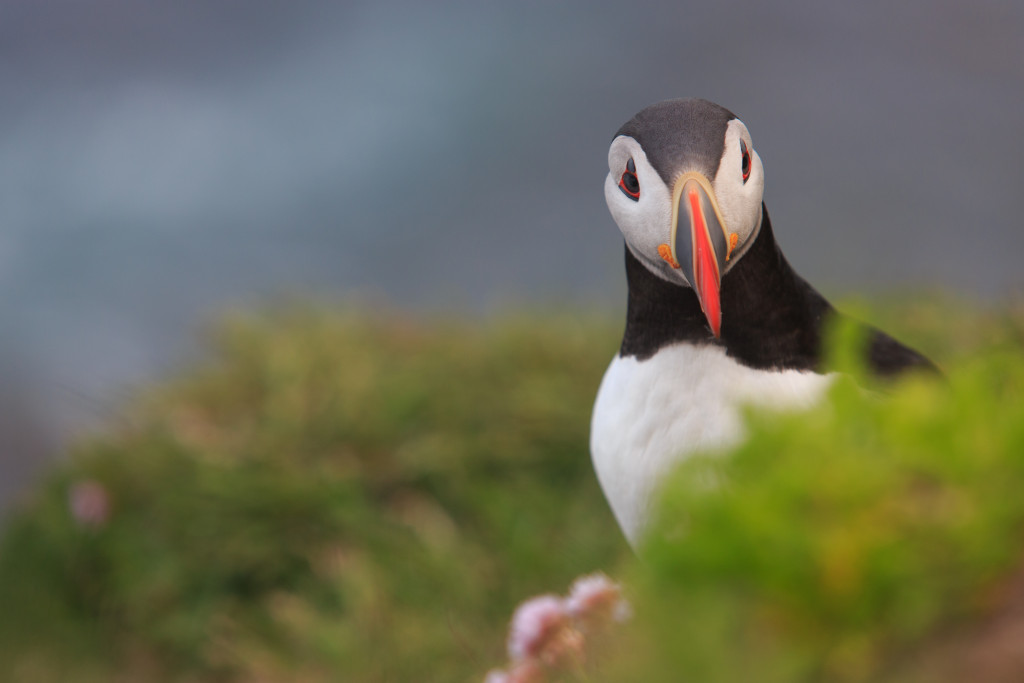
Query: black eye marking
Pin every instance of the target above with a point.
(746, 160)
(628, 183)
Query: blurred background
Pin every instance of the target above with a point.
(161, 162)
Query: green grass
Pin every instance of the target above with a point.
(344, 496)
(334, 496)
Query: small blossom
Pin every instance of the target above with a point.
(536, 622)
(89, 503)
(565, 650)
(596, 600)
(549, 634)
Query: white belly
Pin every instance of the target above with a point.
(651, 414)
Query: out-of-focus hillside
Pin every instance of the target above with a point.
(332, 497)
(365, 497)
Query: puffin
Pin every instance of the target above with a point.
(716, 318)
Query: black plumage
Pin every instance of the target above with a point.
(773, 319)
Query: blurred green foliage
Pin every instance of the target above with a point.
(837, 544)
(333, 497)
(347, 496)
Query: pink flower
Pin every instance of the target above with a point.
(548, 634)
(596, 601)
(89, 503)
(565, 650)
(536, 623)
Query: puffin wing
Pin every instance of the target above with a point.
(889, 358)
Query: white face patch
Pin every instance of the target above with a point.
(646, 222)
(739, 200)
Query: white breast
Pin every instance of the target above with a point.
(652, 414)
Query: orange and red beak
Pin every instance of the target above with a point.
(699, 243)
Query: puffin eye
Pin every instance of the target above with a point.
(746, 160)
(628, 183)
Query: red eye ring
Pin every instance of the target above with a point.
(629, 183)
(745, 161)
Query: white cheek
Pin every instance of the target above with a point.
(646, 224)
(625, 211)
(732, 202)
(739, 202)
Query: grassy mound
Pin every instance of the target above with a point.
(334, 497)
(346, 496)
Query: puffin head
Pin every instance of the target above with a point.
(685, 187)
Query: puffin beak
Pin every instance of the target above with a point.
(699, 243)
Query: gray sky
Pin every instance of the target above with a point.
(163, 161)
